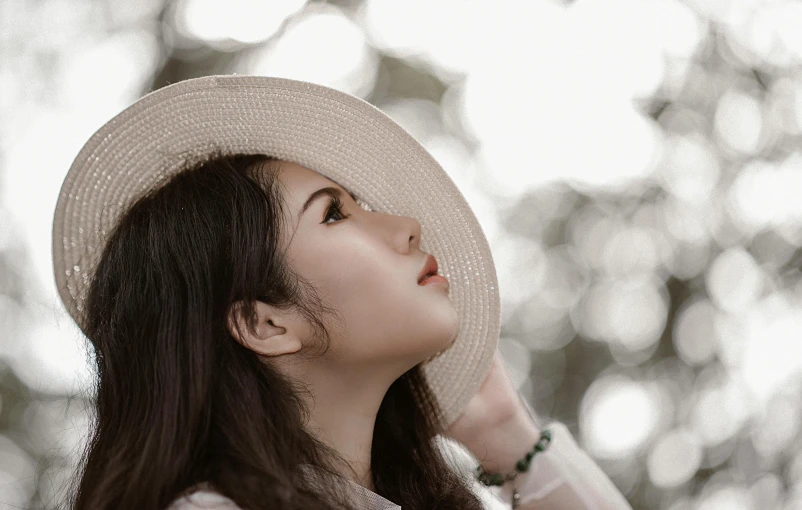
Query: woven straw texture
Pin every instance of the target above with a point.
(338, 135)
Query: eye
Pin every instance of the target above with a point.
(335, 206)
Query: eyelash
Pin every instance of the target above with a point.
(335, 204)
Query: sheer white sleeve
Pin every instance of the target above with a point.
(203, 499)
(564, 477)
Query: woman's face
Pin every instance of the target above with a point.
(366, 264)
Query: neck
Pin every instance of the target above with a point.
(343, 409)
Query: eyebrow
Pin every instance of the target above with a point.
(327, 191)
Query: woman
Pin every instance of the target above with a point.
(243, 254)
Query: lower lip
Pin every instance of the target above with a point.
(434, 279)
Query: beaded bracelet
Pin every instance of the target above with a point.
(521, 466)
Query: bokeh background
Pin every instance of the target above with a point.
(636, 166)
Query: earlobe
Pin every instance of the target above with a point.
(278, 345)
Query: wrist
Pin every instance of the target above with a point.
(500, 447)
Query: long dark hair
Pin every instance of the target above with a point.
(178, 401)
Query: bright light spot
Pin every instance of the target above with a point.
(632, 250)
(414, 30)
(691, 169)
(527, 135)
(529, 118)
(95, 83)
(421, 117)
(103, 78)
(629, 312)
(731, 337)
(548, 328)
(767, 491)
(620, 41)
(773, 352)
(57, 426)
(458, 163)
(565, 278)
(56, 479)
(241, 21)
(678, 28)
(694, 332)
(617, 416)
(321, 46)
(17, 474)
(720, 409)
(734, 280)
(520, 266)
(674, 458)
(686, 222)
(55, 361)
(10, 312)
(518, 361)
(787, 23)
(767, 33)
(53, 25)
(590, 229)
(65, 132)
(726, 497)
(130, 13)
(395, 26)
(765, 195)
(784, 105)
(738, 121)
(779, 424)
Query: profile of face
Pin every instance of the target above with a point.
(365, 264)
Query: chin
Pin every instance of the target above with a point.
(452, 337)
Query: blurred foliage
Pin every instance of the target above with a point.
(636, 166)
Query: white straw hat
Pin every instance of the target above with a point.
(342, 137)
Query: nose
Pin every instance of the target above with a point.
(402, 232)
(414, 237)
(407, 234)
(414, 232)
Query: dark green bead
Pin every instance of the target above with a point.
(521, 466)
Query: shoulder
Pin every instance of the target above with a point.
(203, 497)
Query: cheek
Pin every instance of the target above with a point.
(355, 268)
(368, 288)
(350, 280)
(379, 300)
(398, 317)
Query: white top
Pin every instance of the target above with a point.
(562, 474)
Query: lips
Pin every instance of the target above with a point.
(429, 268)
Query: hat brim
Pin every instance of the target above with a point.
(336, 134)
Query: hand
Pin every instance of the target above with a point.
(496, 404)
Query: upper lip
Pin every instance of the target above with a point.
(429, 268)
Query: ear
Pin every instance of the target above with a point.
(276, 331)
